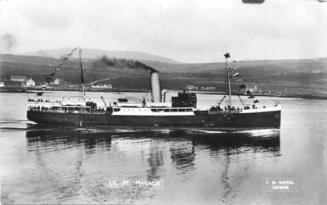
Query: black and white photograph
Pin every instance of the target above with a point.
(155, 102)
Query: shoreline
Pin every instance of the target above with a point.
(290, 95)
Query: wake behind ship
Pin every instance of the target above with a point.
(180, 111)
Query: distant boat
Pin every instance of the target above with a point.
(181, 112)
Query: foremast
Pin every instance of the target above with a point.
(229, 73)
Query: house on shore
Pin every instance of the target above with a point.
(18, 78)
(30, 83)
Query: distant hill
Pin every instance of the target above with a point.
(98, 53)
(281, 77)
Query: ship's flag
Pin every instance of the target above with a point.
(57, 68)
(66, 57)
(227, 55)
(61, 64)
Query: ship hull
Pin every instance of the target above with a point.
(235, 121)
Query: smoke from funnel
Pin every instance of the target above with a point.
(132, 64)
(129, 64)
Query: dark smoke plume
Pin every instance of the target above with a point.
(126, 64)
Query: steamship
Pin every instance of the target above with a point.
(180, 112)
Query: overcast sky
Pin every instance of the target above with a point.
(184, 30)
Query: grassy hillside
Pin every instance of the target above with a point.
(280, 77)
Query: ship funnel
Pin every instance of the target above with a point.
(155, 85)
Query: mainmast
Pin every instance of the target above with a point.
(228, 80)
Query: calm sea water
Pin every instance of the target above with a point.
(102, 165)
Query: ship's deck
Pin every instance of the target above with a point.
(144, 111)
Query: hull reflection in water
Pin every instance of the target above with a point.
(88, 165)
(263, 139)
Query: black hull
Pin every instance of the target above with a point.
(236, 121)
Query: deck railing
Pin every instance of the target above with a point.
(51, 110)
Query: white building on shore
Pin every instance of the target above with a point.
(30, 83)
